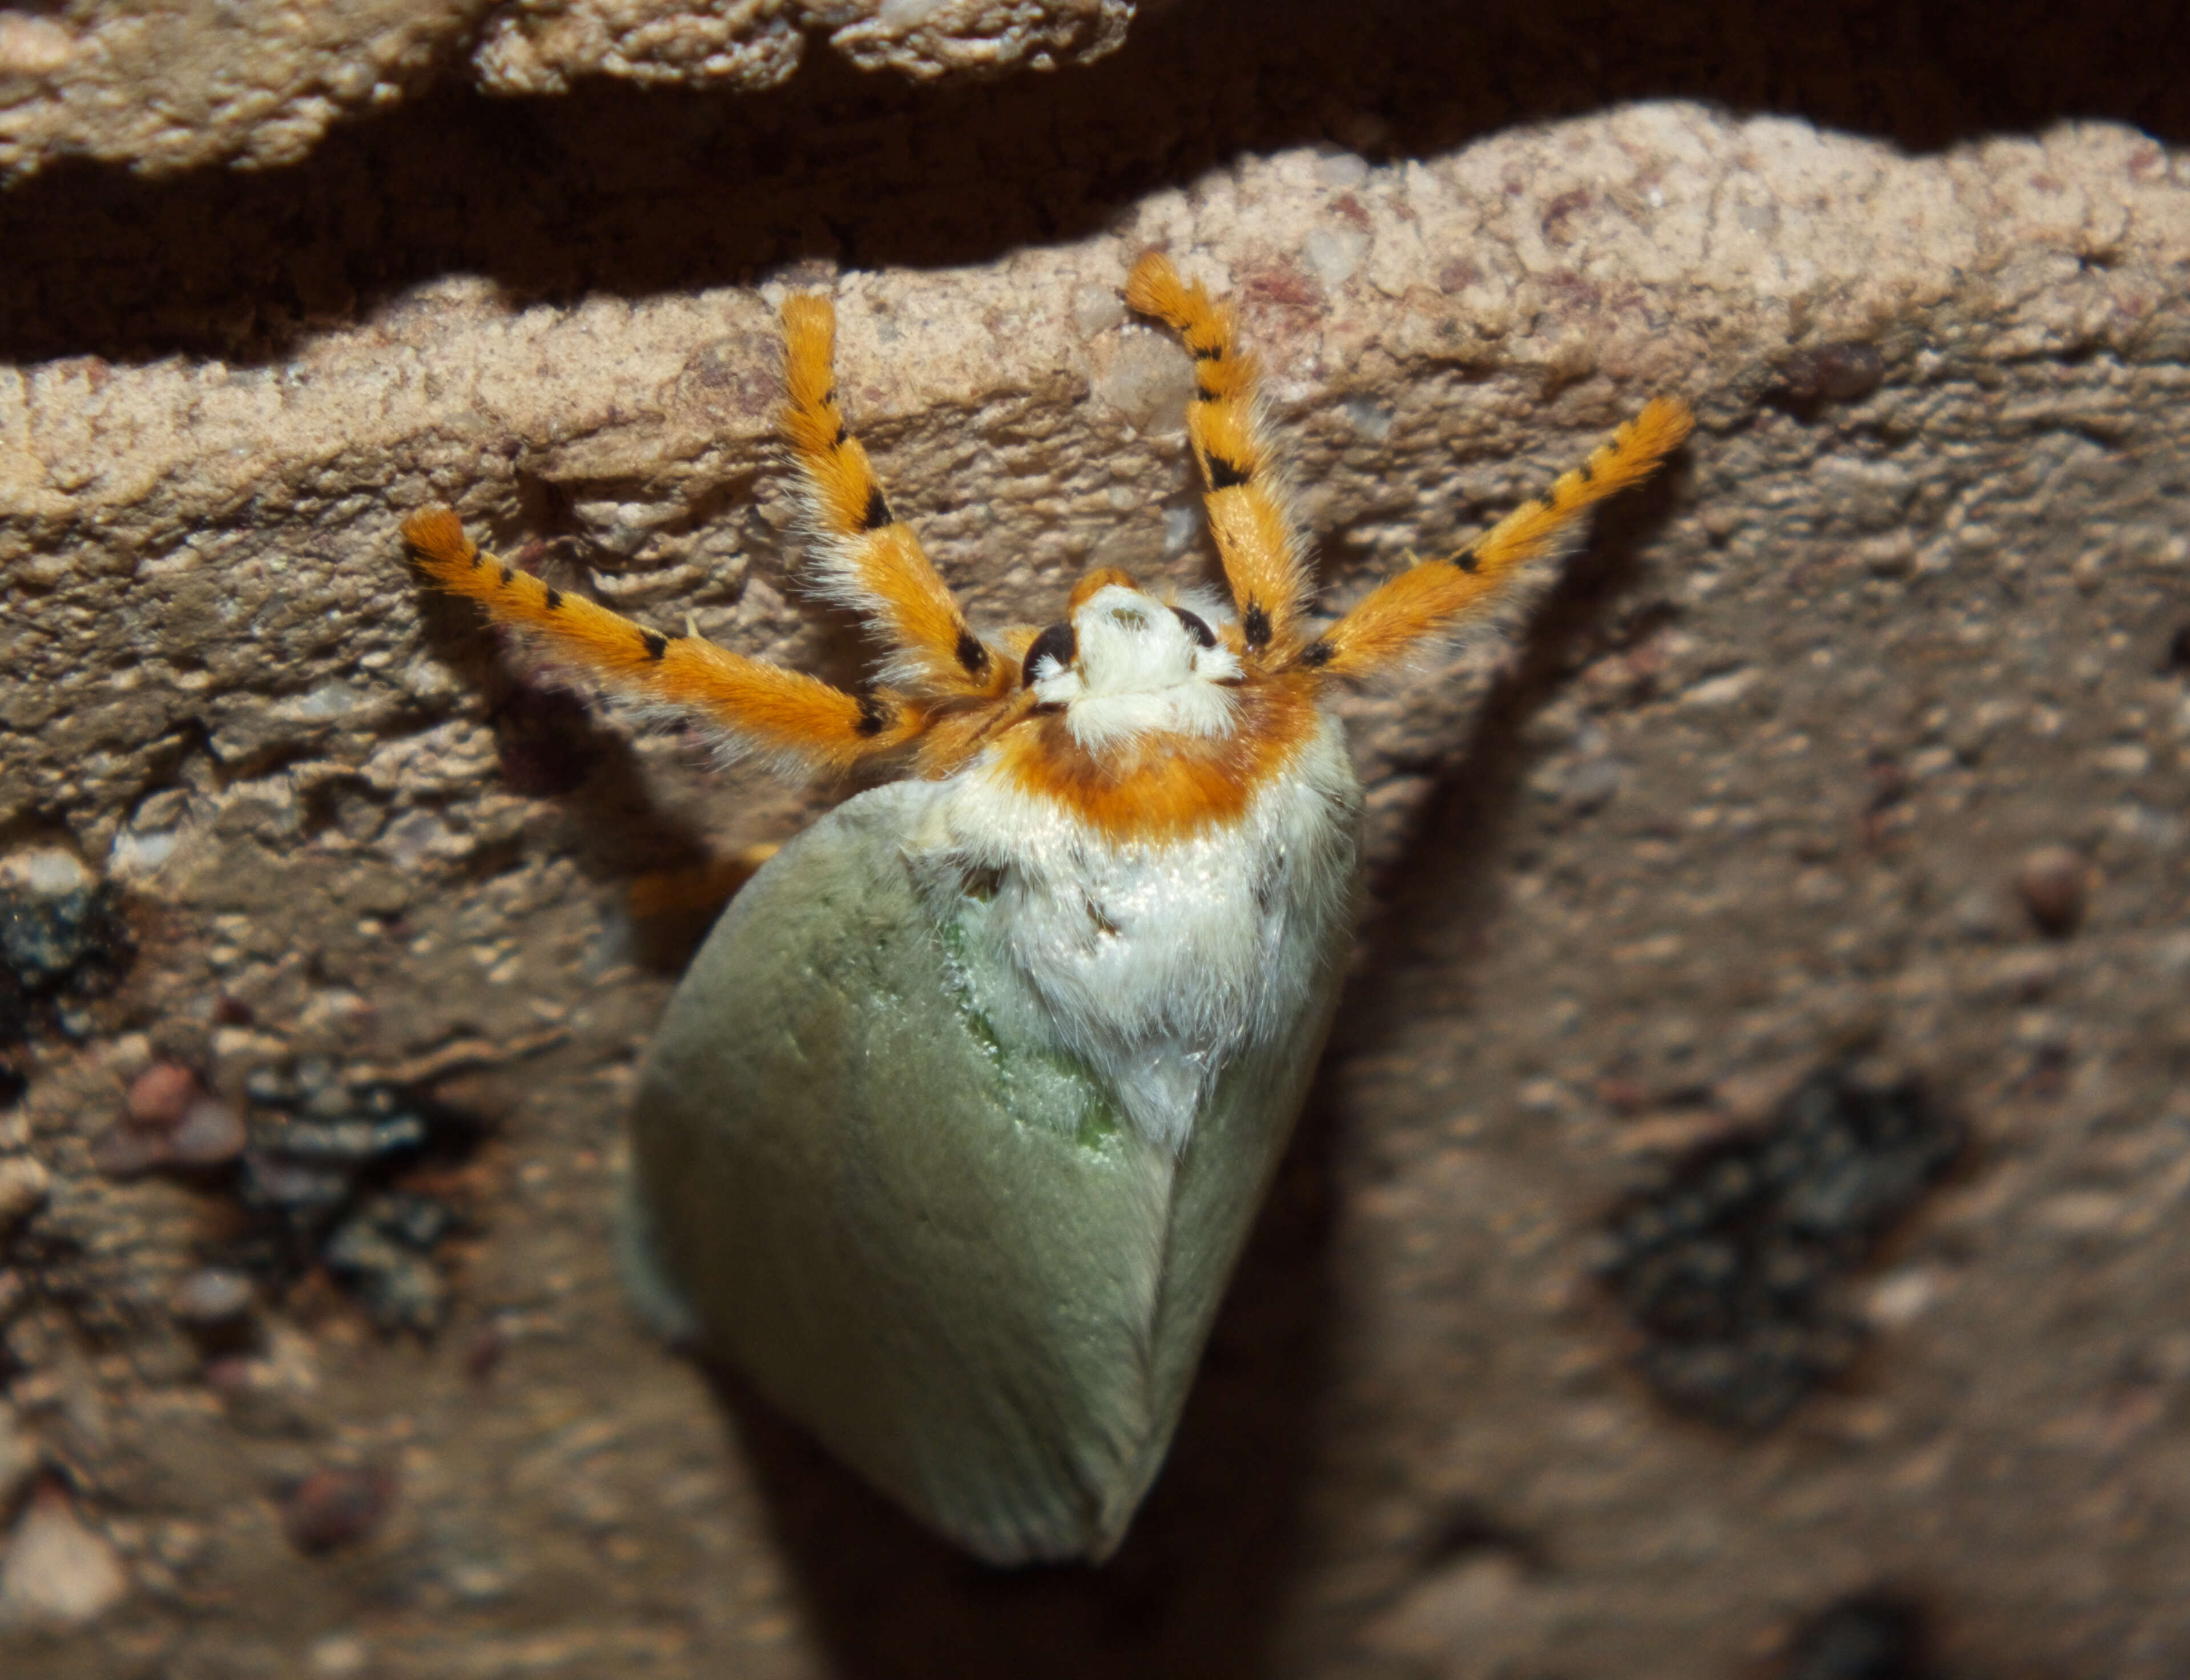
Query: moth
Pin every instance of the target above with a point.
(955, 1127)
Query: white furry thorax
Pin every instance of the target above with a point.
(1156, 963)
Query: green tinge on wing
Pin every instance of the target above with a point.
(942, 1252)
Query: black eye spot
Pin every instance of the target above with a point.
(1057, 642)
(1197, 627)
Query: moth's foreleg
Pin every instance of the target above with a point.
(1248, 515)
(757, 707)
(866, 558)
(1437, 594)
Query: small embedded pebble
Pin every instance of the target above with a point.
(349, 1141)
(1836, 372)
(63, 939)
(211, 1133)
(23, 1186)
(320, 1155)
(1148, 380)
(2051, 883)
(1593, 782)
(382, 1253)
(274, 1182)
(171, 1120)
(214, 1296)
(232, 1374)
(56, 1572)
(161, 1095)
(338, 1655)
(330, 1509)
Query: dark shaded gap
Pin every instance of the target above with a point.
(610, 190)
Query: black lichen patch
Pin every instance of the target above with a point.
(1729, 1266)
(383, 1251)
(332, 1509)
(58, 951)
(1871, 1636)
(352, 1179)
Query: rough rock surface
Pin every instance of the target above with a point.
(1755, 794)
(543, 46)
(56, 1572)
(258, 82)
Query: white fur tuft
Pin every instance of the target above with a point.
(1158, 964)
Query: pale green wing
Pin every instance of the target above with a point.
(947, 1255)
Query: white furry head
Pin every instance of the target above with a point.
(1126, 666)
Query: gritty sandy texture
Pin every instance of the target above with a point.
(542, 46)
(258, 83)
(1758, 790)
(174, 87)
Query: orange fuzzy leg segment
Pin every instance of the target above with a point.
(1428, 598)
(868, 558)
(1247, 515)
(705, 888)
(760, 707)
(953, 737)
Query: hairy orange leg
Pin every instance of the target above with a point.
(1255, 538)
(757, 706)
(867, 559)
(1432, 596)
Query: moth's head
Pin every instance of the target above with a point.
(1124, 663)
